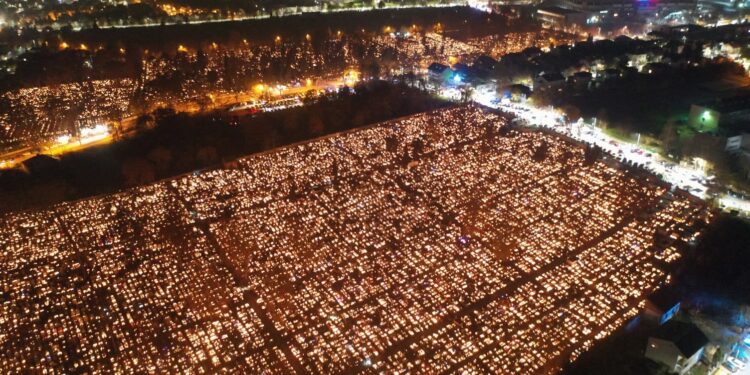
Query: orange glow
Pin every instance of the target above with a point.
(351, 77)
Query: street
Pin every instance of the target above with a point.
(693, 180)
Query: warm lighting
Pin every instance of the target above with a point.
(338, 240)
(351, 77)
(181, 48)
(63, 139)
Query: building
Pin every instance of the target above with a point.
(462, 73)
(485, 63)
(561, 18)
(725, 112)
(515, 93)
(655, 68)
(664, 5)
(677, 345)
(598, 5)
(41, 163)
(727, 5)
(614, 6)
(439, 72)
(608, 74)
(549, 81)
(662, 305)
(740, 146)
(581, 80)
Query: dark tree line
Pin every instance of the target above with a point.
(179, 143)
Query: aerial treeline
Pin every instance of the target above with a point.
(113, 53)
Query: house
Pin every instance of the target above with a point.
(581, 80)
(739, 145)
(486, 63)
(515, 93)
(41, 163)
(549, 81)
(561, 18)
(462, 73)
(439, 72)
(610, 74)
(677, 345)
(662, 305)
(655, 68)
(726, 112)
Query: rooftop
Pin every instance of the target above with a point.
(686, 336)
(557, 10)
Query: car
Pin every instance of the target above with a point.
(733, 365)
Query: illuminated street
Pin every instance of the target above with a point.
(690, 179)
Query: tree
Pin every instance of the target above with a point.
(669, 138)
(572, 112)
(144, 122)
(138, 171)
(315, 125)
(372, 69)
(466, 93)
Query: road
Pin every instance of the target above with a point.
(693, 180)
(291, 11)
